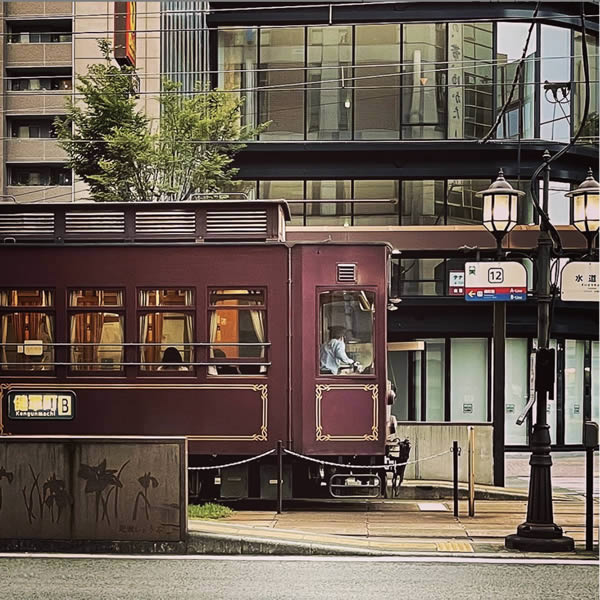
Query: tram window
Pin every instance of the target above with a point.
(26, 335)
(166, 297)
(346, 332)
(96, 336)
(160, 332)
(237, 320)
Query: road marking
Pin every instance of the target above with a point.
(271, 558)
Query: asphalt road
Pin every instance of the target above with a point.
(257, 578)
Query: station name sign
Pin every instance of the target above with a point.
(495, 282)
(41, 404)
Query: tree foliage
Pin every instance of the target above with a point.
(122, 156)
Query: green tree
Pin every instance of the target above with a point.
(115, 149)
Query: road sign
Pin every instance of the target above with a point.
(579, 282)
(495, 282)
(456, 283)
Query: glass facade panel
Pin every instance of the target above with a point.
(574, 362)
(422, 202)
(329, 213)
(435, 356)
(376, 213)
(464, 207)
(590, 131)
(377, 72)
(520, 113)
(329, 109)
(282, 69)
(287, 190)
(346, 332)
(424, 98)
(469, 379)
(237, 67)
(470, 89)
(555, 109)
(398, 372)
(516, 389)
(559, 206)
(422, 276)
(596, 382)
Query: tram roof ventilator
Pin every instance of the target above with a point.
(145, 222)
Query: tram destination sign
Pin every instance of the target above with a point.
(495, 282)
(579, 282)
(41, 404)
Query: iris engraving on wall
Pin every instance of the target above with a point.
(54, 496)
(103, 482)
(147, 482)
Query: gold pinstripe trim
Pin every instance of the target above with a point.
(327, 437)
(261, 388)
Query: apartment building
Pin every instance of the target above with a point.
(45, 46)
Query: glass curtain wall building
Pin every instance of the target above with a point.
(377, 120)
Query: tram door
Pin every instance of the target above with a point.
(406, 371)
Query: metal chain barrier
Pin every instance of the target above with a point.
(233, 464)
(386, 466)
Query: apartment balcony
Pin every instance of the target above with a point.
(38, 102)
(38, 55)
(33, 150)
(25, 194)
(45, 9)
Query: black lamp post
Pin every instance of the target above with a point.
(539, 533)
(586, 208)
(499, 217)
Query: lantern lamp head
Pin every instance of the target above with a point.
(586, 209)
(500, 207)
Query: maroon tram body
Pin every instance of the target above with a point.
(227, 405)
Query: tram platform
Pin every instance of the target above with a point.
(384, 527)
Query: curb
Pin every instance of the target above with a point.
(221, 544)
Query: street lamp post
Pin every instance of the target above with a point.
(539, 533)
(499, 217)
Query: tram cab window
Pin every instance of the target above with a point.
(166, 329)
(346, 332)
(96, 329)
(26, 330)
(237, 322)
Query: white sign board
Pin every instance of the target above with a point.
(579, 282)
(495, 281)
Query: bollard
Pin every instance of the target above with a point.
(471, 430)
(455, 452)
(279, 477)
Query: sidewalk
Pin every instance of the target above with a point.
(385, 527)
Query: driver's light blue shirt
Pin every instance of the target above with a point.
(333, 356)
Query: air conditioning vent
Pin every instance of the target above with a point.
(109, 224)
(27, 225)
(165, 224)
(346, 273)
(239, 224)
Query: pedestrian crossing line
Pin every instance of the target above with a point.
(454, 547)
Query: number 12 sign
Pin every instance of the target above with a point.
(495, 282)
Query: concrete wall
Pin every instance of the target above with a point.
(427, 439)
(119, 489)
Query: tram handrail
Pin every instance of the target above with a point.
(117, 344)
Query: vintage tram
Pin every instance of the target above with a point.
(197, 319)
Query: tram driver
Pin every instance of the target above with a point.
(333, 357)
